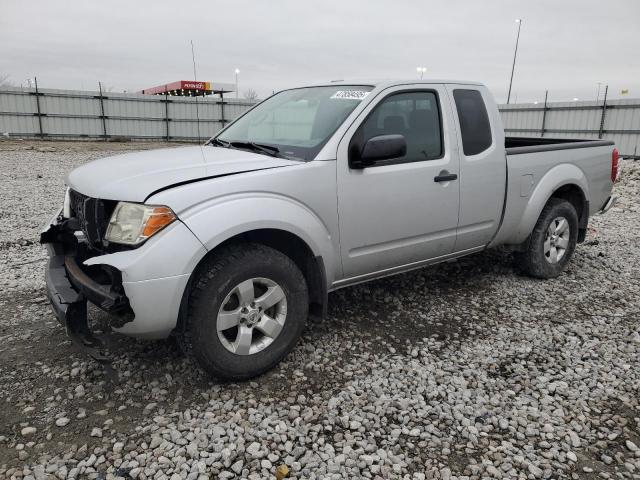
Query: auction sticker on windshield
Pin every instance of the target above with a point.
(350, 94)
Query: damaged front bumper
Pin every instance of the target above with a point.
(142, 289)
(69, 287)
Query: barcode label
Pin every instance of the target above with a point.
(350, 94)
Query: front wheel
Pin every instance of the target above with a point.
(552, 241)
(247, 310)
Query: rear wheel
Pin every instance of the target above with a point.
(247, 310)
(552, 241)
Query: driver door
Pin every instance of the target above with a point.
(395, 213)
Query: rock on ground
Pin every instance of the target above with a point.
(465, 370)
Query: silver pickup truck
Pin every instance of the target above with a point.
(232, 245)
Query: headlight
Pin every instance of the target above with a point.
(133, 223)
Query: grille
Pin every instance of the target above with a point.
(93, 216)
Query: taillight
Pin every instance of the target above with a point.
(614, 164)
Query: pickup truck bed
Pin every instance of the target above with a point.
(538, 166)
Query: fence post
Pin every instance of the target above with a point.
(166, 111)
(544, 113)
(38, 108)
(104, 119)
(222, 120)
(604, 112)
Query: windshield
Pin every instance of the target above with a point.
(297, 123)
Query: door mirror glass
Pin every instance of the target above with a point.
(382, 147)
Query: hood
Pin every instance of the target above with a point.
(135, 176)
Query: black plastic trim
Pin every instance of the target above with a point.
(449, 177)
(319, 307)
(97, 293)
(65, 300)
(70, 307)
(565, 144)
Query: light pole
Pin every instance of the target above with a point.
(421, 71)
(237, 72)
(515, 53)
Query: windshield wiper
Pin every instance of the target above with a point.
(258, 147)
(217, 141)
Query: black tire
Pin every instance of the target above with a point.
(533, 261)
(217, 278)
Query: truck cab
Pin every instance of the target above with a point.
(443, 196)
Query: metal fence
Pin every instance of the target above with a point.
(74, 114)
(56, 114)
(617, 120)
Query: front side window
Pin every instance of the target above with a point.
(298, 123)
(475, 128)
(414, 115)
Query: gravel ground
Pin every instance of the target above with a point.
(464, 370)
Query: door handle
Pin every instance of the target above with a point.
(445, 177)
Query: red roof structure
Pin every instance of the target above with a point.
(188, 88)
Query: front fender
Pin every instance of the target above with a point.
(222, 218)
(154, 278)
(173, 251)
(555, 178)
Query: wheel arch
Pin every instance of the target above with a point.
(576, 197)
(564, 181)
(310, 264)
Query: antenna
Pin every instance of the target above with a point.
(195, 79)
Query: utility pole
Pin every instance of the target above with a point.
(515, 54)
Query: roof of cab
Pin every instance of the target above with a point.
(384, 83)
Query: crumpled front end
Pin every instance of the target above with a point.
(70, 285)
(140, 287)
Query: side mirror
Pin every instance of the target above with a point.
(382, 147)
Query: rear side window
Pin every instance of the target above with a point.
(474, 121)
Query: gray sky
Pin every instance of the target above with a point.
(566, 46)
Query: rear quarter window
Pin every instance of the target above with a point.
(475, 128)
